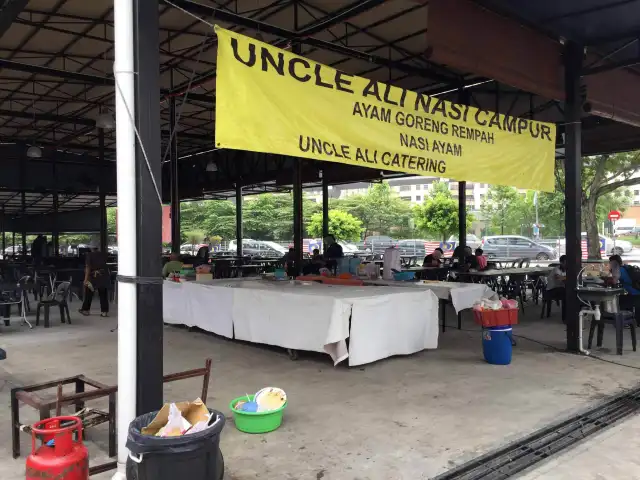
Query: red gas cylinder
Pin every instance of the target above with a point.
(66, 459)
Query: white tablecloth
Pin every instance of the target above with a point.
(197, 305)
(384, 321)
(461, 295)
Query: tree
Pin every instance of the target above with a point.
(111, 220)
(551, 213)
(602, 175)
(502, 208)
(342, 225)
(195, 237)
(213, 217)
(438, 215)
(380, 210)
(267, 216)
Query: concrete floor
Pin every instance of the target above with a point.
(401, 418)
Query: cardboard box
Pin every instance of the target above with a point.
(193, 412)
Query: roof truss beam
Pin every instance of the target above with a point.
(9, 13)
(301, 36)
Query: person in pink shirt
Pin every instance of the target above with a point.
(482, 260)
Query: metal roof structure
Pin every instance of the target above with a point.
(57, 83)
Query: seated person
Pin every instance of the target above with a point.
(316, 263)
(174, 265)
(556, 285)
(332, 252)
(621, 275)
(433, 259)
(482, 260)
(289, 260)
(470, 260)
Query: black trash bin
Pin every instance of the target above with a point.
(193, 456)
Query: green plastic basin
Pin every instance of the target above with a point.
(256, 422)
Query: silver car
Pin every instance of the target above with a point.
(515, 246)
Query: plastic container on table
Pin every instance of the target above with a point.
(497, 345)
(256, 422)
(404, 276)
(194, 456)
(354, 265)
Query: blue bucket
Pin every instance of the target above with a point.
(496, 345)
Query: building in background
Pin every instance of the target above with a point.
(410, 189)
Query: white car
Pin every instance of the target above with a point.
(348, 248)
(621, 246)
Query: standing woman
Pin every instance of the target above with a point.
(96, 277)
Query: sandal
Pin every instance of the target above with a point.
(84, 312)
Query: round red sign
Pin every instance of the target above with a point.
(614, 215)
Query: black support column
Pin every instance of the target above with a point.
(462, 214)
(297, 175)
(23, 201)
(173, 179)
(104, 234)
(55, 199)
(297, 213)
(56, 230)
(573, 56)
(239, 219)
(463, 99)
(325, 207)
(149, 207)
(4, 233)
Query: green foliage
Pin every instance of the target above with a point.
(195, 237)
(604, 180)
(380, 210)
(438, 215)
(213, 217)
(342, 225)
(111, 220)
(507, 211)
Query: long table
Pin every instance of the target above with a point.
(379, 321)
(461, 295)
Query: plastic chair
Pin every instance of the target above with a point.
(620, 320)
(14, 297)
(58, 298)
(547, 301)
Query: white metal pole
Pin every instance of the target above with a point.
(126, 166)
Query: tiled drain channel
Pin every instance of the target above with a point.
(554, 439)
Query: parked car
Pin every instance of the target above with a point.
(351, 249)
(472, 240)
(189, 249)
(258, 248)
(619, 248)
(515, 246)
(415, 246)
(624, 230)
(607, 246)
(377, 243)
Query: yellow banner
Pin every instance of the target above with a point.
(273, 101)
